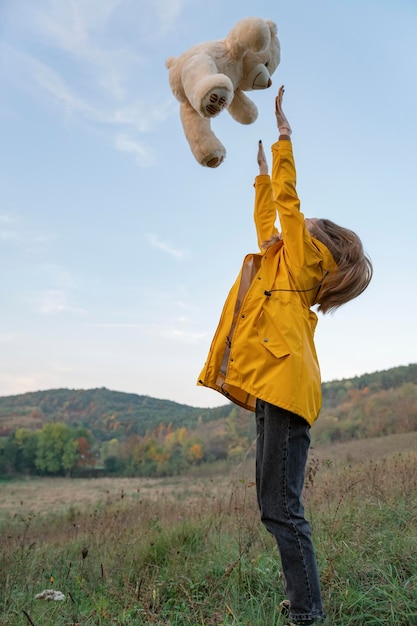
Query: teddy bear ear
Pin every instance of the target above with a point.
(272, 27)
(250, 33)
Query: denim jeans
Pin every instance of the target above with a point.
(283, 440)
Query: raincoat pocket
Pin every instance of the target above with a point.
(276, 328)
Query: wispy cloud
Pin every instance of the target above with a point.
(143, 155)
(56, 301)
(16, 384)
(106, 82)
(155, 242)
(13, 229)
(57, 88)
(72, 25)
(176, 331)
(109, 325)
(6, 218)
(169, 12)
(138, 115)
(181, 335)
(8, 337)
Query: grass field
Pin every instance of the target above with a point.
(191, 550)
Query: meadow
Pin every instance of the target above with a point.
(190, 551)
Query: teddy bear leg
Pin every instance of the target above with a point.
(242, 108)
(205, 146)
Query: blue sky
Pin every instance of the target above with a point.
(117, 250)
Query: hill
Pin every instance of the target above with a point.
(62, 430)
(382, 402)
(105, 413)
(372, 405)
(338, 391)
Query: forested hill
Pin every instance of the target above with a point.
(378, 403)
(104, 412)
(338, 391)
(372, 405)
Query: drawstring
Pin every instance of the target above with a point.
(269, 292)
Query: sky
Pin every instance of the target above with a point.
(117, 249)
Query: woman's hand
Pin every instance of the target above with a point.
(262, 162)
(282, 122)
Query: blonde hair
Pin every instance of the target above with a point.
(354, 267)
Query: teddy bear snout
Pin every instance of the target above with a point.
(258, 78)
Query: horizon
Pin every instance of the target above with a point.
(226, 402)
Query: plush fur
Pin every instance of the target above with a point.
(214, 75)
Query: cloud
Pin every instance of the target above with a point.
(54, 301)
(10, 227)
(17, 384)
(182, 335)
(56, 87)
(59, 275)
(6, 218)
(96, 68)
(173, 331)
(14, 229)
(116, 325)
(138, 115)
(74, 26)
(8, 337)
(164, 246)
(169, 12)
(143, 156)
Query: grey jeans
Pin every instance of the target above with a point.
(283, 441)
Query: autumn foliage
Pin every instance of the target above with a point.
(96, 432)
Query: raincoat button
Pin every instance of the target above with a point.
(266, 339)
(243, 316)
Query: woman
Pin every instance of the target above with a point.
(263, 356)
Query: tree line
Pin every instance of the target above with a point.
(58, 449)
(364, 413)
(66, 432)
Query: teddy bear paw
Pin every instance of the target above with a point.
(214, 158)
(214, 101)
(215, 161)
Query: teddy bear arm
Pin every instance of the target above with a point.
(198, 66)
(205, 146)
(242, 108)
(203, 83)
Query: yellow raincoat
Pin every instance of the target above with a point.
(264, 344)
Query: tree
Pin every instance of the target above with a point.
(27, 444)
(86, 457)
(57, 451)
(8, 456)
(195, 453)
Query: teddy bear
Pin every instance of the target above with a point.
(214, 75)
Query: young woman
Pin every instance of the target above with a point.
(263, 357)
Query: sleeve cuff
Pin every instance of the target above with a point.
(262, 179)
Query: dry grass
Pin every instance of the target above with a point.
(374, 449)
(188, 551)
(56, 495)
